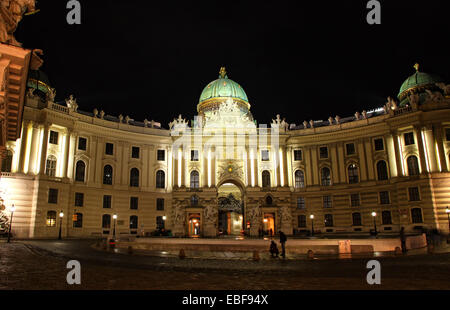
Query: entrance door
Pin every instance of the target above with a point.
(269, 224)
(194, 225)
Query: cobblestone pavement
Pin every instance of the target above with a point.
(42, 265)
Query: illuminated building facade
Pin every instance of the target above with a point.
(222, 173)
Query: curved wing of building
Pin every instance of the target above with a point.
(222, 173)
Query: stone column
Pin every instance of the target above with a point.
(65, 157)
(170, 179)
(213, 167)
(398, 154)
(145, 163)
(34, 152)
(422, 159)
(71, 156)
(440, 146)
(369, 158)
(334, 163)
(93, 155)
(309, 169)
(392, 152)
(43, 158)
(183, 165)
(342, 168)
(289, 172)
(430, 144)
(362, 160)
(285, 166)
(98, 162)
(23, 145)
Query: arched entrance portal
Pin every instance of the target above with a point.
(231, 208)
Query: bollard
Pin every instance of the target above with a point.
(256, 256)
(130, 249)
(398, 251)
(310, 254)
(181, 255)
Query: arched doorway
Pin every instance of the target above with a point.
(230, 208)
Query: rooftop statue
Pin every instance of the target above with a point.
(11, 12)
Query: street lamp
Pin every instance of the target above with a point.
(61, 215)
(312, 224)
(12, 209)
(114, 230)
(374, 214)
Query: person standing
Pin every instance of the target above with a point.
(283, 240)
(403, 239)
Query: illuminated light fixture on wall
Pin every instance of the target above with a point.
(425, 150)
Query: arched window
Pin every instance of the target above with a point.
(326, 176)
(194, 200)
(107, 175)
(382, 170)
(195, 179)
(356, 219)
(266, 178)
(353, 177)
(7, 162)
(106, 221)
(299, 179)
(269, 200)
(78, 220)
(133, 222)
(160, 179)
(413, 165)
(51, 219)
(50, 168)
(134, 177)
(416, 215)
(80, 171)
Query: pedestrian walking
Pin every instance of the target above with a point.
(283, 240)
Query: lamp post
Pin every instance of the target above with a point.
(312, 224)
(61, 215)
(114, 230)
(12, 209)
(374, 214)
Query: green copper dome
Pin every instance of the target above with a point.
(418, 82)
(223, 87)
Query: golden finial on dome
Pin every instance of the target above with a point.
(222, 72)
(416, 66)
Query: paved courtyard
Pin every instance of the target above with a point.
(42, 265)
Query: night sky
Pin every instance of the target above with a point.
(301, 59)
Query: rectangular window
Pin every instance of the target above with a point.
(265, 155)
(379, 144)
(323, 151)
(51, 219)
(53, 137)
(301, 203)
(79, 199)
(109, 150)
(329, 220)
(350, 148)
(52, 195)
(414, 194)
(447, 134)
(386, 217)
(384, 198)
(135, 152)
(160, 204)
(107, 201)
(161, 155)
(302, 221)
(298, 155)
(77, 220)
(409, 138)
(134, 203)
(159, 223)
(327, 203)
(194, 155)
(355, 200)
(82, 144)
